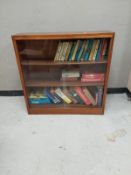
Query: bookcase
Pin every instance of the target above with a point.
(64, 73)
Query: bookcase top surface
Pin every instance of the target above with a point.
(63, 35)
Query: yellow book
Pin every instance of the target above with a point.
(65, 47)
(58, 51)
(61, 51)
(92, 50)
(68, 50)
(96, 49)
(59, 92)
(75, 50)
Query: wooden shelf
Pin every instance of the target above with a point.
(40, 83)
(51, 63)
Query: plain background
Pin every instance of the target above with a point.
(18, 16)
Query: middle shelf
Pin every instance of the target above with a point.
(41, 83)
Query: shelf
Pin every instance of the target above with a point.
(40, 83)
(51, 63)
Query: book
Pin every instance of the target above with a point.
(102, 48)
(75, 50)
(89, 95)
(59, 92)
(52, 91)
(67, 93)
(68, 50)
(76, 96)
(65, 47)
(88, 49)
(71, 51)
(98, 52)
(38, 98)
(96, 49)
(78, 54)
(92, 50)
(58, 51)
(82, 95)
(86, 42)
(69, 79)
(92, 77)
(61, 51)
(70, 73)
(100, 95)
(50, 96)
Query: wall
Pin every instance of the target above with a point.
(65, 15)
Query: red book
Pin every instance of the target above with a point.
(82, 96)
(92, 80)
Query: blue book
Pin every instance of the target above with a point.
(77, 57)
(71, 51)
(98, 52)
(88, 50)
(53, 98)
(39, 101)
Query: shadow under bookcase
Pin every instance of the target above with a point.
(64, 73)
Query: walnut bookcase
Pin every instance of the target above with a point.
(35, 55)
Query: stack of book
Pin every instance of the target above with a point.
(70, 75)
(92, 77)
(71, 95)
(82, 50)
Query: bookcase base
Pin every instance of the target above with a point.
(67, 110)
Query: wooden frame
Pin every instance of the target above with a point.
(71, 109)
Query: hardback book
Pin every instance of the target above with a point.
(102, 48)
(77, 56)
(98, 52)
(59, 92)
(105, 50)
(52, 91)
(70, 73)
(53, 98)
(76, 96)
(96, 49)
(84, 54)
(67, 93)
(65, 47)
(38, 98)
(72, 50)
(88, 49)
(58, 51)
(92, 77)
(75, 50)
(100, 95)
(92, 50)
(68, 50)
(69, 78)
(81, 53)
(89, 95)
(82, 95)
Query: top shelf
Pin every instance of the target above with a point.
(41, 62)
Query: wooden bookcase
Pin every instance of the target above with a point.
(38, 71)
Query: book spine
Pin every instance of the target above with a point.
(82, 96)
(100, 95)
(62, 95)
(92, 50)
(96, 49)
(76, 96)
(52, 91)
(88, 95)
(75, 50)
(68, 50)
(58, 52)
(77, 57)
(98, 52)
(102, 47)
(71, 51)
(66, 92)
(64, 51)
(50, 96)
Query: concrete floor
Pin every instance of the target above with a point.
(65, 145)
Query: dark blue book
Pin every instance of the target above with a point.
(50, 96)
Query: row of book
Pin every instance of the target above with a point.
(82, 50)
(68, 95)
(74, 75)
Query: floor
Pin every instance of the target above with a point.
(65, 145)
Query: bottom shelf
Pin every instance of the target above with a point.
(36, 109)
